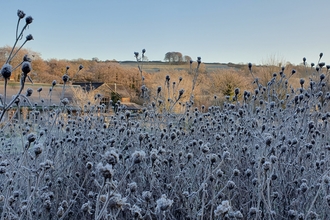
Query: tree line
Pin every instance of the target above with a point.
(176, 58)
(221, 82)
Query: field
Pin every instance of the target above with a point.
(157, 66)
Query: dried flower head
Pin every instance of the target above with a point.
(26, 67)
(106, 171)
(54, 83)
(29, 37)
(6, 70)
(222, 209)
(65, 101)
(65, 78)
(37, 150)
(111, 157)
(20, 14)
(250, 66)
(31, 137)
(29, 92)
(163, 204)
(138, 156)
(199, 60)
(28, 20)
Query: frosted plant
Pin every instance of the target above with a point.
(163, 204)
(263, 155)
(223, 208)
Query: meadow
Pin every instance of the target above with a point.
(261, 153)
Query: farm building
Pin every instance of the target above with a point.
(77, 94)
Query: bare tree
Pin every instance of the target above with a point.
(173, 57)
(186, 58)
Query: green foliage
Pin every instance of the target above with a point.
(115, 97)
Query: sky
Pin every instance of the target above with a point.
(237, 31)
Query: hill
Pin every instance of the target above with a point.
(157, 66)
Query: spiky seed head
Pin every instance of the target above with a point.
(6, 71)
(26, 67)
(28, 20)
(20, 14)
(29, 37)
(65, 78)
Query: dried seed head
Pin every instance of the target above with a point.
(106, 171)
(54, 83)
(266, 166)
(292, 213)
(327, 198)
(159, 89)
(89, 165)
(20, 14)
(236, 172)
(253, 211)
(60, 211)
(111, 157)
(132, 186)
(37, 150)
(29, 92)
(181, 92)
(321, 65)
(29, 37)
(236, 91)
(250, 66)
(138, 156)
(223, 208)
(26, 67)
(248, 172)
(304, 187)
(146, 195)
(65, 101)
(65, 78)
(231, 185)
(6, 71)
(163, 204)
(28, 20)
(31, 137)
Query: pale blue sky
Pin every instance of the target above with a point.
(238, 31)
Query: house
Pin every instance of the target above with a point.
(110, 91)
(45, 95)
(42, 94)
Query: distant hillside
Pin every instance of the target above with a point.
(156, 66)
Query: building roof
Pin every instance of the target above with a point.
(87, 86)
(44, 97)
(116, 88)
(132, 106)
